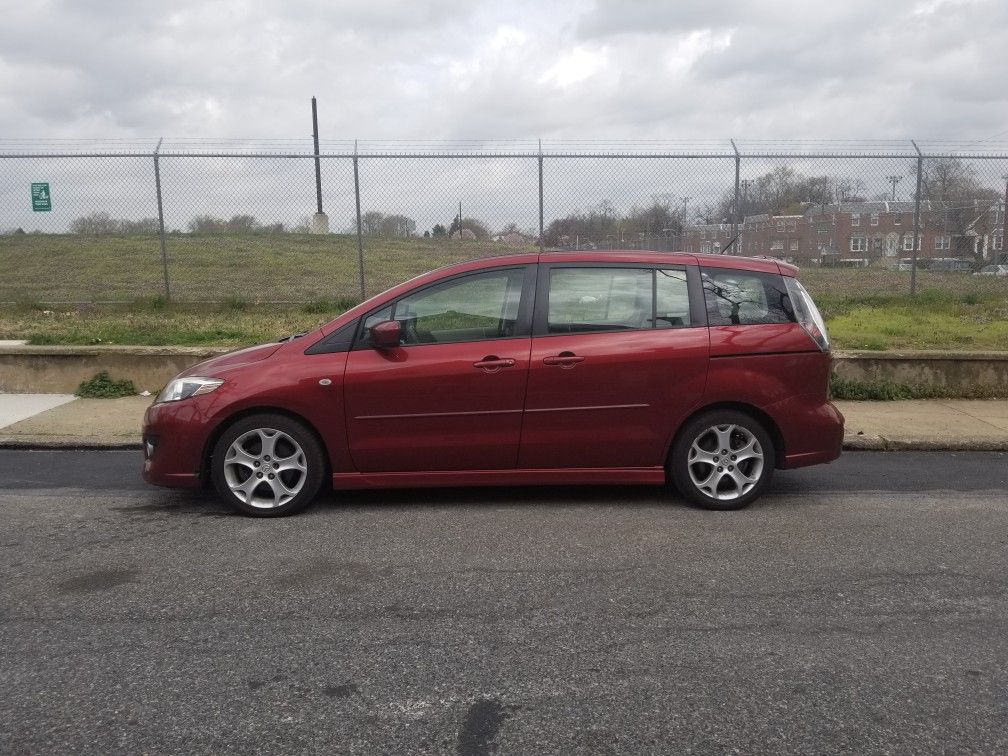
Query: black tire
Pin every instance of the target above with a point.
(704, 429)
(283, 431)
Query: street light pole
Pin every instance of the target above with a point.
(894, 180)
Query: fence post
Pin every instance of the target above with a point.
(736, 210)
(160, 212)
(541, 239)
(360, 231)
(917, 220)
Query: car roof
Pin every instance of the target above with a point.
(763, 264)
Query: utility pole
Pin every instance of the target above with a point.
(1004, 218)
(541, 240)
(894, 180)
(744, 196)
(685, 202)
(320, 221)
(460, 220)
(917, 219)
(736, 217)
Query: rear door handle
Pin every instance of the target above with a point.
(564, 360)
(492, 363)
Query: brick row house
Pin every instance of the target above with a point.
(879, 232)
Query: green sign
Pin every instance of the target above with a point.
(41, 199)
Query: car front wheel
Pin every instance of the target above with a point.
(722, 460)
(267, 465)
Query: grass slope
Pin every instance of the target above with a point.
(865, 309)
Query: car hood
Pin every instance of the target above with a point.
(233, 359)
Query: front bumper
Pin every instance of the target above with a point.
(174, 439)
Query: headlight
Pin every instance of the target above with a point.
(183, 388)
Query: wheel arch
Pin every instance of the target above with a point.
(748, 409)
(224, 423)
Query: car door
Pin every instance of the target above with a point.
(619, 355)
(450, 396)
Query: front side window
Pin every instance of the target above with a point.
(585, 300)
(744, 297)
(471, 308)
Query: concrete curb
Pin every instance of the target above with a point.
(67, 446)
(67, 443)
(883, 443)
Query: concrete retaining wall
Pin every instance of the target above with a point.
(59, 369)
(958, 373)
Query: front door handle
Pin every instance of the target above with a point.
(492, 363)
(564, 360)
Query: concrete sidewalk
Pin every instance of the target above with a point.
(950, 424)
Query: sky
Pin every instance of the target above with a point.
(418, 70)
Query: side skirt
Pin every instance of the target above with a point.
(564, 476)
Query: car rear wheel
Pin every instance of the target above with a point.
(722, 460)
(267, 466)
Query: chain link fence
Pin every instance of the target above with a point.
(197, 222)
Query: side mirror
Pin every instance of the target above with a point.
(386, 335)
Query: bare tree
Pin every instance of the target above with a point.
(959, 205)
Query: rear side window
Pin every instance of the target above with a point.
(745, 297)
(583, 300)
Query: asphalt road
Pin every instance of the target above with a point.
(859, 607)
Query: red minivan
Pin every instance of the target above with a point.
(706, 372)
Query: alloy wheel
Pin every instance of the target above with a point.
(265, 468)
(725, 461)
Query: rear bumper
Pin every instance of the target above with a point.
(812, 430)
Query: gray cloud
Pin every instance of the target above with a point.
(483, 70)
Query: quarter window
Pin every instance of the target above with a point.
(742, 297)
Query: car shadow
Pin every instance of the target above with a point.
(205, 503)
